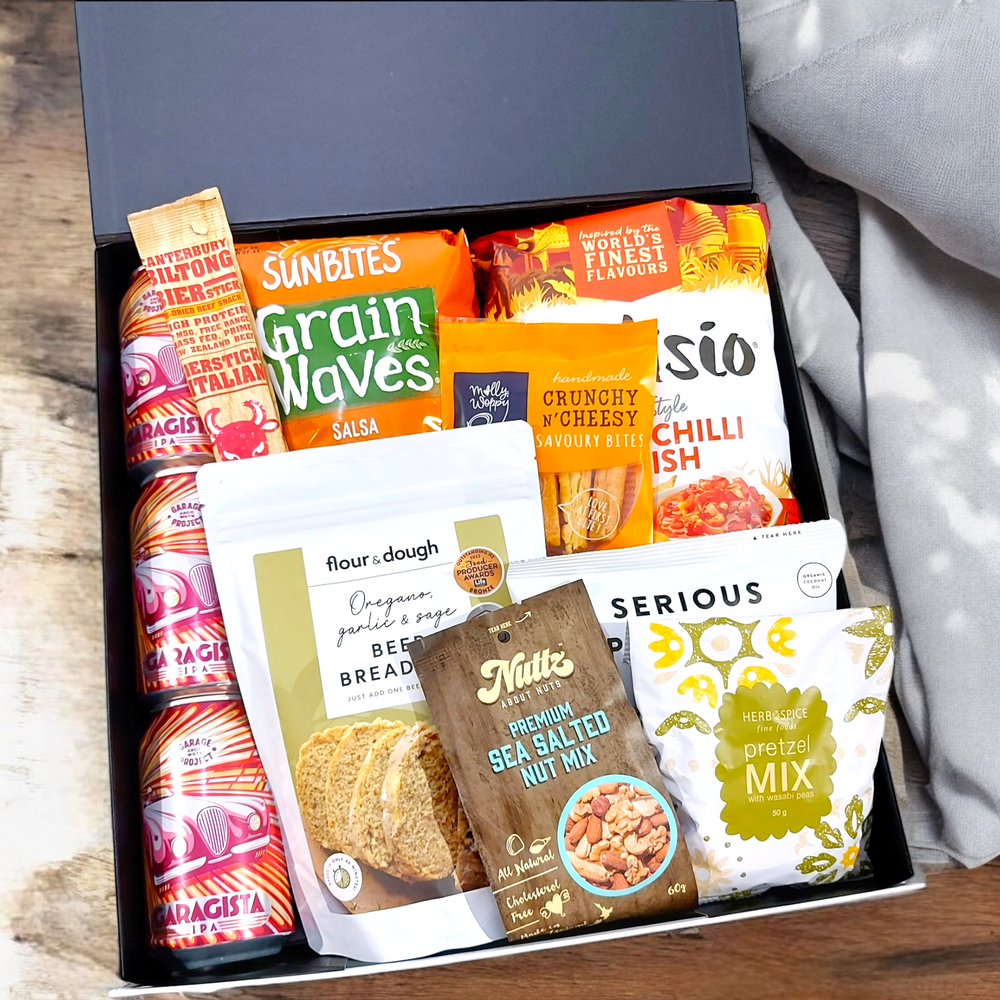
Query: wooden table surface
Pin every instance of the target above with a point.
(57, 914)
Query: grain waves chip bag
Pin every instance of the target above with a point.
(329, 562)
(587, 391)
(788, 569)
(720, 444)
(559, 783)
(349, 329)
(767, 731)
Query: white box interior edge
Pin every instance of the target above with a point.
(912, 884)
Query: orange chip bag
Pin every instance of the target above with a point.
(587, 389)
(720, 450)
(348, 328)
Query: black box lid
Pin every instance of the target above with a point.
(322, 110)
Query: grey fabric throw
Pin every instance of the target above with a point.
(901, 100)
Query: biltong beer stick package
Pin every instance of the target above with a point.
(720, 450)
(349, 329)
(329, 563)
(187, 250)
(566, 805)
(783, 570)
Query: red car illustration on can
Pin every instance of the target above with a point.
(216, 880)
(150, 368)
(181, 636)
(174, 587)
(187, 833)
(162, 426)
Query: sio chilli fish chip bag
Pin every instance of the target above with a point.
(719, 449)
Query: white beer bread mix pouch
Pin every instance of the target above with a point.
(787, 569)
(328, 562)
(767, 732)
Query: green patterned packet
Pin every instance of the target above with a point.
(767, 731)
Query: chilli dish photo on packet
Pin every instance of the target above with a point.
(349, 329)
(719, 448)
(567, 808)
(587, 391)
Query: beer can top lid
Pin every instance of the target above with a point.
(176, 470)
(189, 697)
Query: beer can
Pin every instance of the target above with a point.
(162, 425)
(181, 637)
(216, 880)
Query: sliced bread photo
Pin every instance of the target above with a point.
(364, 825)
(341, 776)
(420, 807)
(469, 870)
(310, 779)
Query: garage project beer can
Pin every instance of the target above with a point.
(181, 637)
(216, 880)
(162, 426)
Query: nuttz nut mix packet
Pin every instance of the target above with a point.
(588, 392)
(560, 787)
(187, 250)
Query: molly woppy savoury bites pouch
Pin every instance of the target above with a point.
(767, 730)
(720, 444)
(566, 805)
(329, 562)
(789, 568)
(587, 391)
(348, 328)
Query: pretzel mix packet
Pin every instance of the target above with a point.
(720, 450)
(348, 327)
(187, 250)
(587, 391)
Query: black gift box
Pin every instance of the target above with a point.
(332, 119)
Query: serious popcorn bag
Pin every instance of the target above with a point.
(348, 328)
(587, 391)
(791, 568)
(568, 810)
(329, 563)
(767, 731)
(719, 446)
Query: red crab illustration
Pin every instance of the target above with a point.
(241, 438)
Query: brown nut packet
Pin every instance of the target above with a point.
(560, 786)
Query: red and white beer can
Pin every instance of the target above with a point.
(182, 640)
(216, 879)
(162, 425)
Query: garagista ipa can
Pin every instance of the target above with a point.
(162, 426)
(216, 881)
(181, 637)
